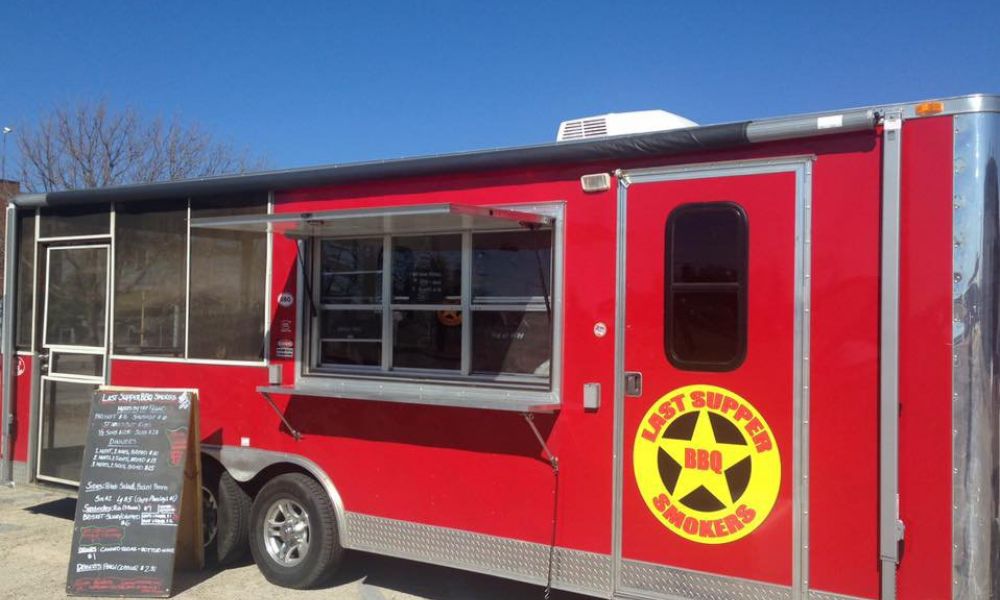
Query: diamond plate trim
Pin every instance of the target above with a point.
(813, 595)
(20, 472)
(572, 570)
(680, 583)
(669, 582)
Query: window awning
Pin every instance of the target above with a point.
(428, 218)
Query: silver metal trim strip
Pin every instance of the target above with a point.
(890, 527)
(975, 321)
(187, 281)
(801, 374)
(425, 393)
(96, 237)
(109, 333)
(34, 284)
(9, 324)
(188, 361)
(268, 283)
(572, 570)
(801, 167)
(817, 595)
(618, 400)
(716, 169)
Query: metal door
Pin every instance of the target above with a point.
(710, 431)
(73, 356)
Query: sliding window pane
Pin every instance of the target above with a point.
(427, 339)
(705, 328)
(351, 337)
(512, 342)
(351, 271)
(150, 278)
(228, 278)
(25, 277)
(63, 432)
(511, 266)
(427, 269)
(708, 244)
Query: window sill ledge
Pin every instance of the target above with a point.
(522, 401)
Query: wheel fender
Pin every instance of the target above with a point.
(245, 463)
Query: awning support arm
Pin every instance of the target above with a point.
(552, 458)
(295, 432)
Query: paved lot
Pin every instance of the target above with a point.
(36, 525)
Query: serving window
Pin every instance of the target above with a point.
(459, 305)
(441, 304)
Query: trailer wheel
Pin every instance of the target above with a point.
(294, 532)
(225, 516)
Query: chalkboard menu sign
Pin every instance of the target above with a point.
(138, 513)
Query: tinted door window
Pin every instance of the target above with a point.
(705, 287)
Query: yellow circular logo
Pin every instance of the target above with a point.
(707, 464)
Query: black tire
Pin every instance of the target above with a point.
(227, 532)
(311, 518)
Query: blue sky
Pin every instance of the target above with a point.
(322, 82)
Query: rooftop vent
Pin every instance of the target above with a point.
(640, 121)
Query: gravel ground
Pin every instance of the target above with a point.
(36, 524)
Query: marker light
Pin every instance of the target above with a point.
(926, 109)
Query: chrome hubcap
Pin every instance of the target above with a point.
(286, 532)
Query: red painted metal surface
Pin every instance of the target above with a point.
(925, 359)
(21, 409)
(473, 469)
(843, 432)
(764, 379)
(483, 471)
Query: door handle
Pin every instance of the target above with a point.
(633, 383)
(43, 363)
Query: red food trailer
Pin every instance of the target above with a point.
(750, 360)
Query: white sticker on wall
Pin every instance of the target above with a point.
(285, 299)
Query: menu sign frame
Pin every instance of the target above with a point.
(138, 512)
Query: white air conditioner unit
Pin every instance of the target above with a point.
(640, 121)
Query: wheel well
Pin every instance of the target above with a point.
(272, 471)
(210, 463)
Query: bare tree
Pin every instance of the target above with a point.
(92, 145)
